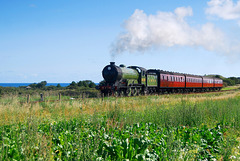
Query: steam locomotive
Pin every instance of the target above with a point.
(134, 80)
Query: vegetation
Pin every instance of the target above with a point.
(85, 84)
(166, 127)
(74, 89)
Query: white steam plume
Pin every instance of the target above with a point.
(168, 29)
(225, 9)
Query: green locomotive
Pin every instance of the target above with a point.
(122, 80)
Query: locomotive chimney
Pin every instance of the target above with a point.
(112, 63)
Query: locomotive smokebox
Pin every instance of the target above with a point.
(112, 73)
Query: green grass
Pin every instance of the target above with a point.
(165, 127)
(231, 88)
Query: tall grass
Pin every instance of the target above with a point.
(75, 128)
(166, 110)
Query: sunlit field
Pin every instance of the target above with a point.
(161, 127)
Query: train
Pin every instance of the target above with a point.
(134, 80)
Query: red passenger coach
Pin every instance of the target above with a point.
(171, 80)
(218, 83)
(208, 82)
(177, 82)
(193, 81)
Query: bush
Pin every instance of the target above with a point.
(229, 82)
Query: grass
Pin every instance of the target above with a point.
(230, 88)
(172, 127)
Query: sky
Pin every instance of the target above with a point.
(61, 41)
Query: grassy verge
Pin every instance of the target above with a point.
(166, 127)
(231, 88)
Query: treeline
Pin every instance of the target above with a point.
(74, 85)
(231, 81)
(81, 84)
(74, 88)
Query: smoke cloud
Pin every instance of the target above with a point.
(169, 29)
(225, 9)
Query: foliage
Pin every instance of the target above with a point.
(166, 127)
(85, 140)
(38, 85)
(102, 83)
(85, 83)
(74, 89)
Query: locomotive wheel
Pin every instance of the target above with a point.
(116, 93)
(145, 92)
(133, 92)
(121, 93)
(138, 92)
(128, 92)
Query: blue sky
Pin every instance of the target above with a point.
(65, 41)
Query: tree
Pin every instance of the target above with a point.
(92, 85)
(229, 82)
(41, 84)
(59, 85)
(80, 83)
(236, 80)
(102, 83)
(86, 83)
(73, 85)
(33, 85)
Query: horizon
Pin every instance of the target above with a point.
(65, 41)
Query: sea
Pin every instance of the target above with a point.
(26, 84)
